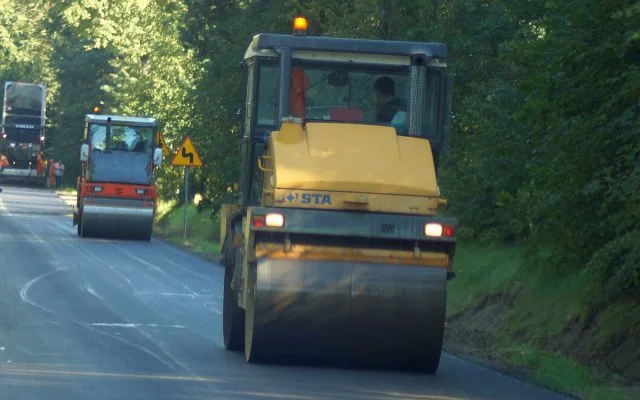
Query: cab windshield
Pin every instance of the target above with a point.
(23, 99)
(349, 94)
(124, 138)
(353, 93)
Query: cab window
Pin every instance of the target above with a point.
(356, 93)
(267, 104)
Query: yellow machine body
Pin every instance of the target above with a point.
(343, 258)
(349, 167)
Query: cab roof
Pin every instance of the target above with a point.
(273, 41)
(121, 120)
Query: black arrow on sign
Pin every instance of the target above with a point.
(185, 154)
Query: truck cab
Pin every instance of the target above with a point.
(335, 81)
(23, 131)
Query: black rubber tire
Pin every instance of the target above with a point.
(146, 237)
(232, 315)
(79, 225)
(252, 349)
(256, 342)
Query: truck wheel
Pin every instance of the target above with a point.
(256, 348)
(79, 225)
(146, 236)
(251, 348)
(232, 314)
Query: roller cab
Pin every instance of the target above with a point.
(117, 197)
(335, 251)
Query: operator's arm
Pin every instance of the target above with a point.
(388, 110)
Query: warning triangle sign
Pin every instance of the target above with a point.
(163, 145)
(187, 156)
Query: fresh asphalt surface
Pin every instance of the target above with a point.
(98, 319)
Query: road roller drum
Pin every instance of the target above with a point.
(116, 219)
(345, 313)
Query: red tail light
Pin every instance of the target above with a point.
(449, 231)
(259, 221)
(271, 220)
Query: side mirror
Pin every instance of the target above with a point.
(157, 156)
(84, 152)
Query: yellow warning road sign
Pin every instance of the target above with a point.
(165, 149)
(187, 156)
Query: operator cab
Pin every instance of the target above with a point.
(120, 149)
(376, 82)
(128, 135)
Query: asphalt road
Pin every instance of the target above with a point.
(99, 319)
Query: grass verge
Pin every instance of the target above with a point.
(201, 235)
(538, 327)
(67, 189)
(565, 374)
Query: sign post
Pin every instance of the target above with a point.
(186, 198)
(186, 156)
(163, 145)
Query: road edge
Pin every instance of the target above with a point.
(213, 258)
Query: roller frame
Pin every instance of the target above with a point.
(380, 315)
(115, 218)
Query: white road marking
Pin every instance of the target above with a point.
(160, 270)
(3, 208)
(170, 294)
(116, 325)
(89, 253)
(24, 291)
(25, 350)
(24, 296)
(91, 291)
(55, 251)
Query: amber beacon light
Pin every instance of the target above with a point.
(300, 26)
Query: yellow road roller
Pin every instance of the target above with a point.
(117, 197)
(334, 252)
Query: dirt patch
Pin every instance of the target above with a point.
(475, 334)
(618, 354)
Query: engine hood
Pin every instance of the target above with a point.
(120, 167)
(341, 157)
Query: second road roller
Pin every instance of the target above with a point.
(336, 251)
(117, 197)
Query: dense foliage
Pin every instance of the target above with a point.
(546, 131)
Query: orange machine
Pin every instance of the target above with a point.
(117, 197)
